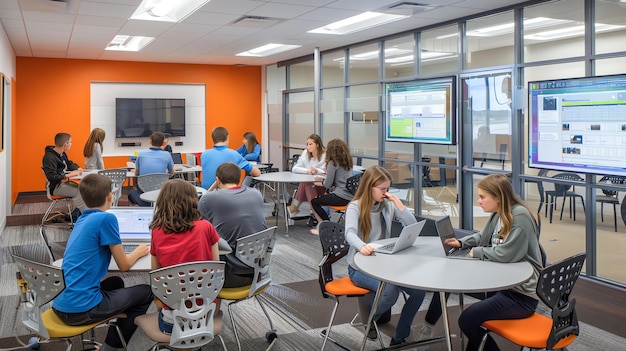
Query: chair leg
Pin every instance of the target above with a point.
(265, 312)
(615, 216)
(232, 322)
(330, 324)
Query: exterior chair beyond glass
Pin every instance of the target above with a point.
(190, 290)
(563, 190)
(352, 184)
(334, 248)
(41, 284)
(255, 251)
(610, 197)
(542, 332)
(118, 176)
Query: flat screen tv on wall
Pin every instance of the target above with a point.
(141, 117)
(421, 111)
(578, 124)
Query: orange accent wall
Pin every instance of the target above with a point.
(53, 95)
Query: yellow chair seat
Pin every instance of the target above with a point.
(237, 293)
(531, 332)
(58, 329)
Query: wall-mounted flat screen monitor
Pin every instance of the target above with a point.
(141, 117)
(421, 111)
(578, 124)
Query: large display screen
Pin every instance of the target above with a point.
(141, 117)
(578, 124)
(421, 111)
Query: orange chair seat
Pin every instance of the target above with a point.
(531, 332)
(344, 286)
(59, 197)
(338, 208)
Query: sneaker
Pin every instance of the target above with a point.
(394, 342)
(292, 209)
(424, 332)
(372, 334)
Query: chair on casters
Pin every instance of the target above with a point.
(335, 247)
(255, 251)
(542, 332)
(352, 184)
(190, 290)
(118, 177)
(40, 284)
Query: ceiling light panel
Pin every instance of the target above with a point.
(357, 23)
(166, 10)
(268, 50)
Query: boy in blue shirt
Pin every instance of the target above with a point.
(95, 238)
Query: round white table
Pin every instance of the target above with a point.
(151, 196)
(424, 266)
(280, 179)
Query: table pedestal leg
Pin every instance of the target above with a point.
(379, 293)
(446, 320)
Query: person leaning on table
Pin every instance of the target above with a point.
(368, 218)
(509, 236)
(88, 297)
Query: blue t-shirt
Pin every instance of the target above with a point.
(86, 261)
(153, 160)
(255, 155)
(213, 158)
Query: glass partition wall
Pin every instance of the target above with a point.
(492, 58)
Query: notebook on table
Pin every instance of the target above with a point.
(407, 238)
(134, 224)
(445, 230)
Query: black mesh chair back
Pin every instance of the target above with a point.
(334, 248)
(352, 183)
(554, 289)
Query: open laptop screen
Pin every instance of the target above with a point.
(134, 222)
(177, 158)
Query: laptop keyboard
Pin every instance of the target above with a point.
(387, 247)
(463, 252)
(128, 248)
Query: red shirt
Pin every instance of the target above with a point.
(192, 245)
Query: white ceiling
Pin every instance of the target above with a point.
(81, 29)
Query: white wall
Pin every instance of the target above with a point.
(7, 66)
(103, 114)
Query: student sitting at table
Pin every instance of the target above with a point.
(149, 161)
(368, 218)
(338, 170)
(179, 234)
(93, 149)
(510, 235)
(310, 162)
(251, 149)
(236, 212)
(59, 170)
(95, 238)
(220, 153)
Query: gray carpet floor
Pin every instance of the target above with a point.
(295, 302)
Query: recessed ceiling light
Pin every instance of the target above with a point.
(166, 10)
(356, 23)
(268, 50)
(128, 43)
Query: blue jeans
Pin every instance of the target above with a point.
(506, 304)
(165, 327)
(116, 299)
(411, 306)
(390, 294)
